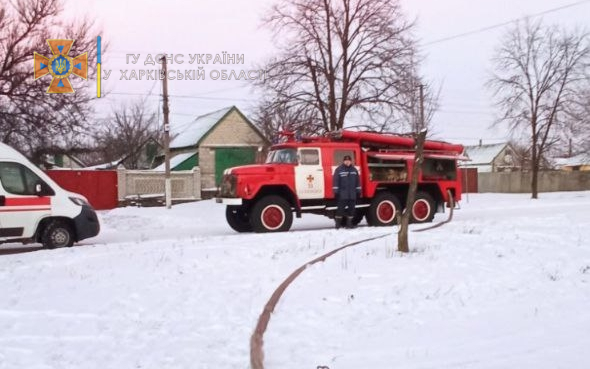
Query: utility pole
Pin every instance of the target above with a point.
(167, 185)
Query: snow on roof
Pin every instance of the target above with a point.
(112, 164)
(580, 159)
(175, 161)
(483, 154)
(188, 134)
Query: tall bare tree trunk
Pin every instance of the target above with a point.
(535, 181)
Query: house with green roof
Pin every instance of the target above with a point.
(214, 142)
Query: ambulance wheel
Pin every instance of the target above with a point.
(423, 208)
(271, 214)
(57, 234)
(238, 219)
(383, 210)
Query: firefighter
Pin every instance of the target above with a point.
(347, 187)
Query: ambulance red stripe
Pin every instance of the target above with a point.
(27, 201)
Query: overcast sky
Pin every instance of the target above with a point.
(460, 66)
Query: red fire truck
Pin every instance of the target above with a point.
(297, 179)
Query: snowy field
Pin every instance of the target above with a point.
(505, 285)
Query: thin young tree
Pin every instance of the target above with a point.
(419, 132)
(339, 60)
(539, 73)
(125, 131)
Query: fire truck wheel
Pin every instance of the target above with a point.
(238, 219)
(57, 234)
(383, 210)
(423, 208)
(271, 214)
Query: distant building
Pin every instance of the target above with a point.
(214, 142)
(142, 158)
(579, 162)
(62, 161)
(499, 157)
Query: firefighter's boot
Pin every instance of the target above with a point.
(349, 224)
(338, 221)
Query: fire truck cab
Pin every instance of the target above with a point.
(297, 179)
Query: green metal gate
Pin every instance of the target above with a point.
(228, 157)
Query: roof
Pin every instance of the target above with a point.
(111, 165)
(189, 134)
(483, 154)
(175, 161)
(580, 159)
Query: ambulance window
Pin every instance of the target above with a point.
(18, 179)
(309, 157)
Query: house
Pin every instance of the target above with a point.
(499, 157)
(144, 157)
(214, 142)
(579, 162)
(61, 161)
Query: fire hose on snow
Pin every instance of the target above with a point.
(257, 338)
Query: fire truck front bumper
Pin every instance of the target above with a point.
(228, 201)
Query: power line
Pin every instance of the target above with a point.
(498, 25)
(198, 97)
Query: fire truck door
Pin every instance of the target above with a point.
(309, 174)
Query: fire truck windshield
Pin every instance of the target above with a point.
(282, 156)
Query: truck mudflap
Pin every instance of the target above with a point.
(86, 223)
(228, 201)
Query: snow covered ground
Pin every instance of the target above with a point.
(505, 285)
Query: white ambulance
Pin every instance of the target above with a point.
(33, 208)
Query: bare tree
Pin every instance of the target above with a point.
(124, 134)
(578, 135)
(30, 118)
(271, 119)
(539, 74)
(404, 219)
(339, 60)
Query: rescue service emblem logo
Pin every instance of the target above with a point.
(60, 66)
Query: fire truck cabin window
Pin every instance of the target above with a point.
(309, 157)
(340, 154)
(282, 156)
